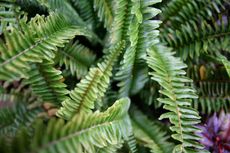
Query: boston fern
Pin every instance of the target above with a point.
(104, 76)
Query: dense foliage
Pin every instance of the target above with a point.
(104, 76)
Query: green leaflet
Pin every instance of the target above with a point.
(16, 117)
(40, 38)
(226, 63)
(106, 67)
(83, 132)
(82, 98)
(76, 57)
(169, 73)
(104, 11)
(192, 40)
(149, 133)
(141, 35)
(46, 82)
(93, 87)
(9, 12)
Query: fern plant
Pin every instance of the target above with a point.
(107, 76)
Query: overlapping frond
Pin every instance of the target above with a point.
(46, 82)
(83, 97)
(9, 13)
(149, 134)
(65, 8)
(226, 63)
(106, 67)
(121, 21)
(86, 11)
(169, 73)
(133, 73)
(39, 39)
(193, 39)
(179, 12)
(213, 96)
(208, 105)
(15, 117)
(84, 132)
(76, 57)
(104, 11)
(109, 149)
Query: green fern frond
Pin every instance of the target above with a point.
(46, 82)
(226, 63)
(149, 134)
(76, 57)
(20, 94)
(179, 12)
(121, 21)
(192, 40)
(173, 7)
(142, 34)
(208, 105)
(86, 11)
(109, 149)
(15, 117)
(82, 98)
(132, 143)
(84, 132)
(9, 13)
(169, 73)
(212, 88)
(39, 39)
(213, 96)
(65, 8)
(104, 11)
(106, 67)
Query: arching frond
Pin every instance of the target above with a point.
(65, 8)
(179, 12)
(133, 73)
(9, 13)
(149, 134)
(121, 21)
(47, 83)
(104, 11)
(86, 11)
(84, 132)
(15, 117)
(83, 97)
(106, 67)
(39, 39)
(76, 57)
(192, 39)
(169, 73)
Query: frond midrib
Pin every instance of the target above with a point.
(38, 42)
(84, 95)
(79, 61)
(72, 135)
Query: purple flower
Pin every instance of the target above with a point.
(216, 133)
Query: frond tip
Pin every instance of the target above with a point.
(169, 73)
